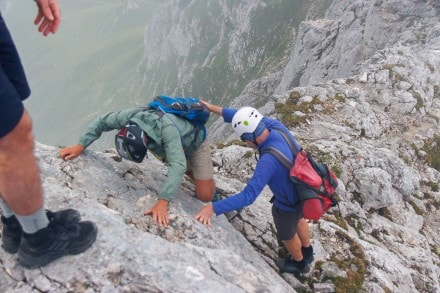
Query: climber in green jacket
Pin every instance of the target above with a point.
(169, 137)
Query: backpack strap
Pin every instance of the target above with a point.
(289, 141)
(160, 112)
(279, 156)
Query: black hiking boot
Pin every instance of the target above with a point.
(56, 240)
(12, 231)
(11, 234)
(308, 254)
(289, 265)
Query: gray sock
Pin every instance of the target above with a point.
(34, 222)
(6, 211)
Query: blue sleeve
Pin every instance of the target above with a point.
(227, 114)
(274, 123)
(264, 171)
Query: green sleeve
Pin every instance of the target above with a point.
(175, 160)
(107, 122)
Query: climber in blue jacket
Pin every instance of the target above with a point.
(292, 229)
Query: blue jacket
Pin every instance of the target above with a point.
(269, 171)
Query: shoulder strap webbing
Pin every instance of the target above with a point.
(196, 129)
(279, 156)
(289, 141)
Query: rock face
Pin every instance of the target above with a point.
(352, 32)
(361, 90)
(132, 254)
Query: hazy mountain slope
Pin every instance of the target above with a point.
(90, 66)
(113, 54)
(214, 48)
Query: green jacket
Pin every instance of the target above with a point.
(164, 142)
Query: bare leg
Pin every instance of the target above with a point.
(20, 182)
(303, 232)
(301, 238)
(205, 189)
(294, 247)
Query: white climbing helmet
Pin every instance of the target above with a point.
(246, 120)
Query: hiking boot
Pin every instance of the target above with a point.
(12, 231)
(56, 240)
(308, 254)
(11, 234)
(289, 265)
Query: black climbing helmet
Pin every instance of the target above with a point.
(130, 143)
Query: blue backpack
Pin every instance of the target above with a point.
(189, 108)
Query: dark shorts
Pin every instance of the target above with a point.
(14, 87)
(285, 222)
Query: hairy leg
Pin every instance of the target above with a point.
(303, 232)
(20, 182)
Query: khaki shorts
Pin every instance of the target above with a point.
(200, 163)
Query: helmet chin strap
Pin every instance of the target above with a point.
(255, 139)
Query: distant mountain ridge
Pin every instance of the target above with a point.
(219, 46)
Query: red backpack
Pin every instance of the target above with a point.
(314, 181)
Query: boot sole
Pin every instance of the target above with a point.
(32, 262)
